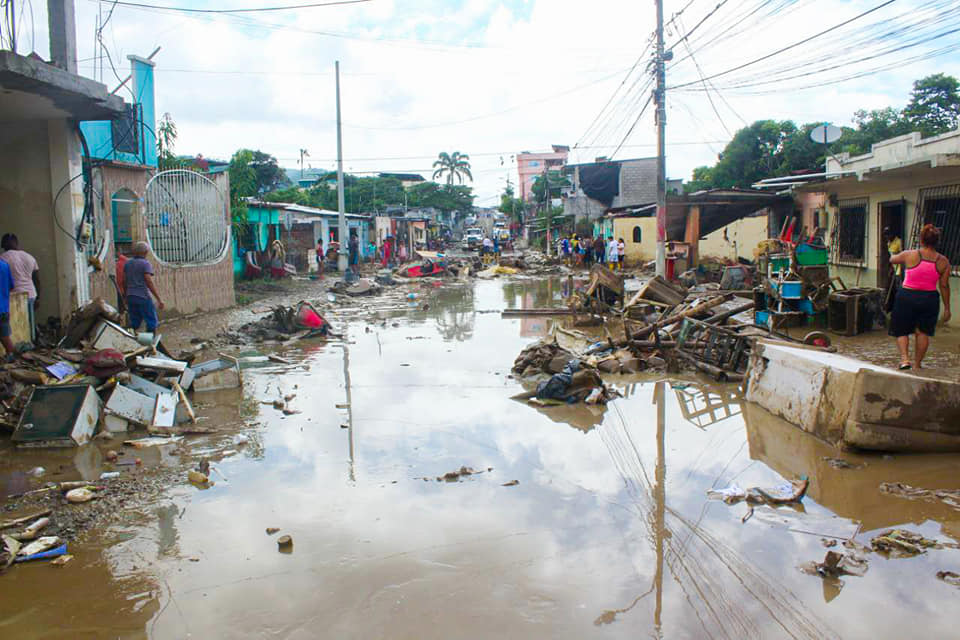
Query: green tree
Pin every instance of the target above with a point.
(166, 142)
(243, 184)
(455, 165)
(510, 205)
(873, 126)
(934, 106)
(701, 181)
(556, 181)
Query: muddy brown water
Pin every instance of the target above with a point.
(608, 533)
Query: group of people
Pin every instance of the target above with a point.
(579, 251)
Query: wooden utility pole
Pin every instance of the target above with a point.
(342, 227)
(661, 97)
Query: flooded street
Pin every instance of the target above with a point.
(607, 531)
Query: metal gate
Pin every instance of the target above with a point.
(187, 218)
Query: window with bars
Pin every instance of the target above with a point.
(940, 206)
(849, 237)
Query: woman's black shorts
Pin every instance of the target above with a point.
(914, 310)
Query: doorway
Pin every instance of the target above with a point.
(889, 216)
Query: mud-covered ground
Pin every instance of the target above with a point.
(584, 521)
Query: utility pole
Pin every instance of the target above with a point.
(546, 207)
(303, 152)
(661, 97)
(342, 232)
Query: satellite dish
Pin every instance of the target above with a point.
(826, 133)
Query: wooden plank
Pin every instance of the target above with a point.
(657, 289)
(161, 364)
(601, 276)
(19, 318)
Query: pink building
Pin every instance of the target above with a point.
(531, 165)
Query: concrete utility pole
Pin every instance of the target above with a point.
(661, 97)
(303, 152)
(342, 233)
(546, 206)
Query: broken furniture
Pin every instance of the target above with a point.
(59, 416)
(213, 375)
(855, 311)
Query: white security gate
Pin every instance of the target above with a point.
(187, 218)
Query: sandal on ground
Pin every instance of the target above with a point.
(905, 366)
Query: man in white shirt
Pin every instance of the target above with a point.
(613, 252)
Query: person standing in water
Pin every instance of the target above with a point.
(917, 305)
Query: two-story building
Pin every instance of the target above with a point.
(611, 184)
(532, 165)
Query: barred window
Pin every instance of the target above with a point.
(637, 234)
(940, 206)
(186, 216)
(849, 237)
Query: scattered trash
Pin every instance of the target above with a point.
(285, 544)
(62, 560)
(241, 439)
(59, 416)
(512, 483)
(781, 494)
(272, 530)
(43, 555)
(31, 531)
(453, 476)
(950, 577)
(838, 463)
(949, 497)
(109, 475)
(201, 474)
(36, 472)
(81, 495)
(38, 546)
(836, 564)
(900, 543)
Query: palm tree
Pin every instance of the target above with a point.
(455, 165)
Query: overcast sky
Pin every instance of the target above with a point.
(488, 77)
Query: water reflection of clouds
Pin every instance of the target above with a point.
(542, 559)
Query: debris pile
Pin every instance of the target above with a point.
(661, 324)
(103, 377)
(288, 324)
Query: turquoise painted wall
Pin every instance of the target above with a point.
(138, 90)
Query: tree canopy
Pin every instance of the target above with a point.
(769, 148)
(374, 194)
(456, 166)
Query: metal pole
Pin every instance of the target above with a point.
(342, 233)
(661, 148)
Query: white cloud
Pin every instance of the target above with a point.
(487, 77)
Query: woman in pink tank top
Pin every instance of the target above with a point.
(917, 304)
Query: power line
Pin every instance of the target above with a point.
(290, 7)
(788, 47)
(630, 131)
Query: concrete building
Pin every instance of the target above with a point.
(720, 223)
(122, 157)
(902, 183)
(299, 228)
(602, 185)
(531, 165)
(76, 160)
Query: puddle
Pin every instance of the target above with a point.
(607, 533)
